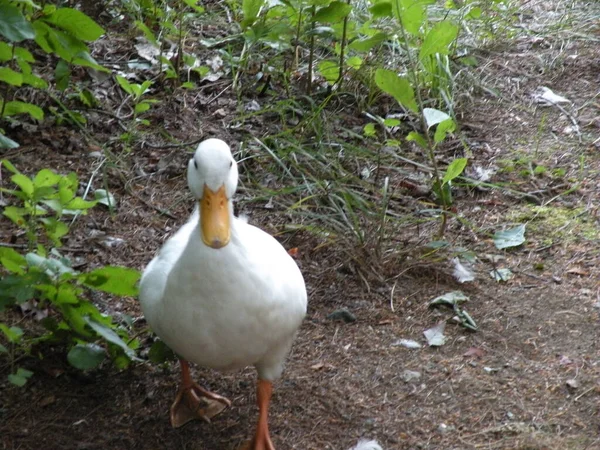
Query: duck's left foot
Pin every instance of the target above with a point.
(194, 402)
(259, 443)
(262, 439)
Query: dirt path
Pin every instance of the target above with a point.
(527, 379)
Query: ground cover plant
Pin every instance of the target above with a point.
(429, 164)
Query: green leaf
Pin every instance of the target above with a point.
(416, 137)
(442, 130)
(354, 62)
(78, 204)
(24, 182)
(34, 81)
(365, 45)
(106, 198)
(147, 33)
(15, 107)
(17, 215)
(411, 13)
(3, 349)
(510, 238)
(109, 335)
(141, 107)
(9, 166)
(381, 9)
(45, 178)
(369, 130)
(194, 5)
(6, 53)
(334, 12)
(13, 334)
(125, 85)
(13, 25)
(86, 356)
(87, 98)
(11, 77)
(20, 378)
(329, 70)
(76, 23)
(6, 142)
(439, 39)
(83, 58)
(12, 260)
(398, 87)
(24, 55)
(113, 279)
(66, 294)
(474, 13)
(454, 170)
(62, 75)
(159, 352)
(55, 229)
(250, 10)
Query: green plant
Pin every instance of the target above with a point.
(61, 32)
(45, 199)
(162, 23)
(140, 105)
(46, 280)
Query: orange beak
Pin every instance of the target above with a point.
(214, 218)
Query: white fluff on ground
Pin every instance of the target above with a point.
(363, 444)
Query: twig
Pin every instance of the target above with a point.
(219, 94)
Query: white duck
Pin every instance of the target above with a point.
(223, 294)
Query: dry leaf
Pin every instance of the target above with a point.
(578, 271)
(385, 322)
(474, 352)
(321, 365)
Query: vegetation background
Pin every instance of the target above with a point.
(431, 165)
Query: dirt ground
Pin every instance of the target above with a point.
(527, 379)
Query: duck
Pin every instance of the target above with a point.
(223, 294)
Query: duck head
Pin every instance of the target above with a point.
(213, 178)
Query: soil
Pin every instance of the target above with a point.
(528, 378)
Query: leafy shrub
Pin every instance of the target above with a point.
(61, 32)
(47, 281)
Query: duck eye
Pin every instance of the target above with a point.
(195, 164)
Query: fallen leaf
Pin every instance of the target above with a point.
(474, 352)
(435, 335)
(410, 375)
(501, 274)
(578, 271)
(293, 252)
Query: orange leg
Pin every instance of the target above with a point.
(262, 440)
(194, 402)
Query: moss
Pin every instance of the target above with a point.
(554, 223)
